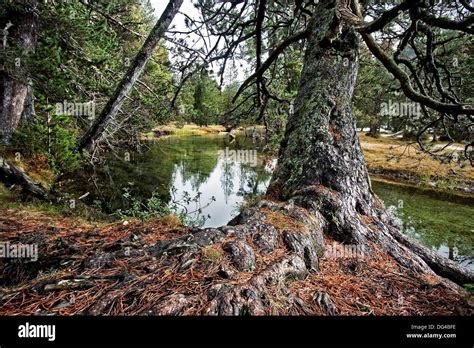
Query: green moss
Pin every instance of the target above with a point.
(212, 254)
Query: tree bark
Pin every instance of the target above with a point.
(28, 114)
(321, 151)
(321, 165)
(15, 89)
(113, 106)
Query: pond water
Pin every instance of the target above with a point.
(435, 221)
(210, 177)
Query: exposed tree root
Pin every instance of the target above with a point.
(270, 260)
(441, 265)
(367, 220)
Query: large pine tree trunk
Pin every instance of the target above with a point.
(15, 91)
(113, 106)
(321, 164)
(321, 153)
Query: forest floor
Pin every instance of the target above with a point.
(84, 268)
(75, 273)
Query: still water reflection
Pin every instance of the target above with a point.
(210, 169)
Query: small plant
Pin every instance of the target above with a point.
(212, 254)
(151, 208)
(193, 218)
(469, 287)
(333, 217)
(425, 179)
(155, 208)
(250, 201)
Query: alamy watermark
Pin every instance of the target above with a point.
(76, 109)
(5, 33)
(28, 330)
(400, 109)
(345, 251)
(231, 1)
(241, 156)
(19, 251)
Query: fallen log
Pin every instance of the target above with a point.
(11, 175)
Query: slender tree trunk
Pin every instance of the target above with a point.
(435, 136)
(113, 106)
(374, 131)
(321, 165)
(28, 114)
(19, 36)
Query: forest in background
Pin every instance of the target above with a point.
(83, 50)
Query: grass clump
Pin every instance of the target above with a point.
(212, 254)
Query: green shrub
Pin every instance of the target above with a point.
(52, 135)
(155, 208)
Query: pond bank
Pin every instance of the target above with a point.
(181, 168)
(392, 160)
(401, 162)
(396, 181)
(162, 267)
(195, 130)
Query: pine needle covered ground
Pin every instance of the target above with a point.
(106, 270)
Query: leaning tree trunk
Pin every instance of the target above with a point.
(113, 106)
(321, 164)
(19, 36)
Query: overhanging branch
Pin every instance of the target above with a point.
(273, 57)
